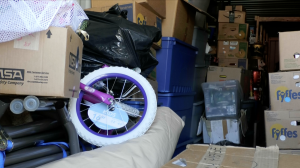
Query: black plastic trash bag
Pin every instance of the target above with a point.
(115, 41)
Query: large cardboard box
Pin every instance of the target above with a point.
(215, 74)
(215, 131)
(233, 31)
(289, 53)
(46, 63)
(284, 90)
(233, 63)
(235, 8)
(282, 129)
(231, 16)
(156, 6)
(212, 156)
(232, 49)
(136, 13)
(180, 20)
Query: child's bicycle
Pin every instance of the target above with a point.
(101, 115)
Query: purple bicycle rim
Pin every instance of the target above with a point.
(112, 75)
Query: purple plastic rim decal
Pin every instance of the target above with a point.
(111, 75)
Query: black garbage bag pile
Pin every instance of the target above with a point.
(115, 41)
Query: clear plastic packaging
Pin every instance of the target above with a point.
(222, 99)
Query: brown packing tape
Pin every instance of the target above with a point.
(225, 129)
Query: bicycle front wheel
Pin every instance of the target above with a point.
(94, 122)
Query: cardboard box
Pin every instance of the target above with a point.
(235, 8)
(46, 63)
(233, 31)
(232, 49)
(284, 90)
(233, 63)
(180, 20)
(289, 53)
(282, 129)
(156, 6)
(231, 16)
(215, 74)
(152, 75)
(213, 156)
(215, 131)
(136, 13)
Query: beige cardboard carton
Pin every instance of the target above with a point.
(215, 74)
(232, 49)
(180, 20)
(289, 50)
(156, 6)
(46, 63)
(233, 63)
(284, 91)
(233, 31)
(282, 129)
(224, 16)
(202, 156)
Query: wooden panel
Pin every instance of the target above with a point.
(277, 19)
(273, 55)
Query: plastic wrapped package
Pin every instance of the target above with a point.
(222, 99)
(23, 17)
(115, 41)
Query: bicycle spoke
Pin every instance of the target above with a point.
(84, 110)
(123, 88)
(113, 84)
(86, 119)
(91, 125)
(130, 98)
(99, 131)
(130, 95)
(85, 104)
(132, 87)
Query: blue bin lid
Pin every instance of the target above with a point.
(179, 41)
(176, 94)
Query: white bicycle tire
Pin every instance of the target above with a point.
(138, 131)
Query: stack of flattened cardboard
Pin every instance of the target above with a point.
(232, 36)
(282, 120)
(202, 156)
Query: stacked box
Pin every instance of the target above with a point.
(282, 120)
(232, 38)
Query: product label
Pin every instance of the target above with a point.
(129, 8)
(291, 64)
(37, 77)
(242, 63)
(30, 42)
(281, 133)
(284, 94)
(74, 62)
(242, 32)
(141, 20)
(234, 43)
(107, 119)
(12, 74)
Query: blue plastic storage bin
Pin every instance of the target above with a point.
(175, 71)
(182, 105)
